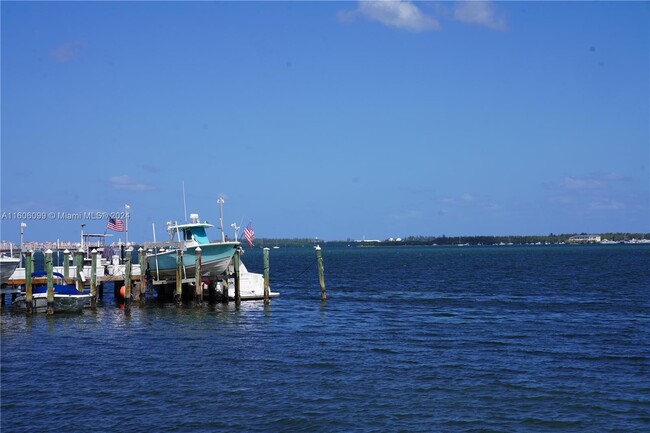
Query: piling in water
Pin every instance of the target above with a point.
(50, 282)
(198, 285)
(142, 260)
(321, 273)
(79, 261)
(66, 265)
(127, 279)
(29, 300)
(266, 276)
(237, 282)
(93, 280)
(178, 295)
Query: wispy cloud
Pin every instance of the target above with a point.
(593, 192)
(481, 13)
(125, 182)
(591, 181)
(407, 15)
(396, 13)
(66, 52)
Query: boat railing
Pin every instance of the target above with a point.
(165, 245)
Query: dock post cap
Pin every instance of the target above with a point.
(80, 250)
(94, 251)
(197, 249)
(49, 251)
(317, 247)
(266, 249)
(140, 249)
(129, 249)
(66, 251)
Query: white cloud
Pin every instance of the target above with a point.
(125, 182)
(478, 12)
(397, 13)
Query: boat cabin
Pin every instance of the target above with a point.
(190, 234)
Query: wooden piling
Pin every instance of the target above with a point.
(66, 265)
(142, 260)
(136, 289)
(93, 280)
(321, 274)
(50, 283)
(266, 276)
(178, 295)
(79, 260)
(29, 299)
(237, 282)
(198, 284)
(225, 289)
(127, 279)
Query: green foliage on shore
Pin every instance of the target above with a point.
(444, 240)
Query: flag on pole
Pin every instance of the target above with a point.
(249, 233)
(115, 225)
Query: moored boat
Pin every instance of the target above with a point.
(67, 299)
(215, 256)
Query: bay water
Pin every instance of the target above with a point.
(413, 339)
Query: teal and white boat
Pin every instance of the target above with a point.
(185, 238)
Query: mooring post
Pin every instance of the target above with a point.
(142, 259)
(198, 284)
(321, 274)
(50, 283)
(136, 290)
(178, 296)
(93, 280)
(28, 282)
(237, 282)
(79, 259)
(224, 289)
(127, 279)
(66, 265)
(266, 276)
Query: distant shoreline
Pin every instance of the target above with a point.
(551, 239)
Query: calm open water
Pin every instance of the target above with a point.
(539, 338)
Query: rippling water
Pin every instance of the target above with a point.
(410, 339)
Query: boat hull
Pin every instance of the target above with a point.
(214, 261)
(61, 304)
(7, 267)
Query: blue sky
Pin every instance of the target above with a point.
(327, 119)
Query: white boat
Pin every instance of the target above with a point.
(7, 267)
(251, 285)
(215, 256)
(66, 297)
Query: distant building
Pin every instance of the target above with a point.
(584, 239)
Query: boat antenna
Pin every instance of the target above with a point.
(184, 204)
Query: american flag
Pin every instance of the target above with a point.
(249, 233)
(115, 225)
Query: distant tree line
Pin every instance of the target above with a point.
(444, 240)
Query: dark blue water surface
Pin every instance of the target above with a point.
(413, 339)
